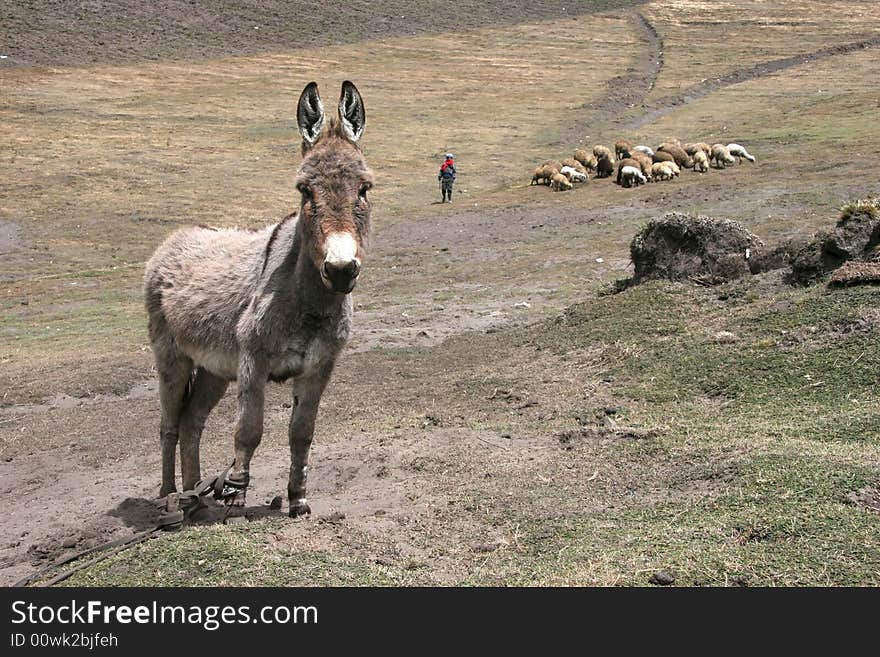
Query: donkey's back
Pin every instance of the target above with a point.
(197, 285)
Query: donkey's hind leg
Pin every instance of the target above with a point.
(174, 378)
(206, 391)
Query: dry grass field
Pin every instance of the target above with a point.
(467, 437)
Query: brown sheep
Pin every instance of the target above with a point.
(574, 164)
(556, 164)
(721, 156)
(559, 183)
(622, 149)
(690, 149)
(663, 156)
(600, 151)
(662, 171)
(645, 163)
(604, 166)
(701, 162)
(543, 174)
(589, 161)
(681, 158)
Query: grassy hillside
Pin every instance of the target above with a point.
(715, 434)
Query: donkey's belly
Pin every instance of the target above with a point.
(219, 363)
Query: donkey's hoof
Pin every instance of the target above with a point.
(300, 508)
(238, 500)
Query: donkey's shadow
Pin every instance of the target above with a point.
(141, 514)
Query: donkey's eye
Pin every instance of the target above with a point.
(305, 190)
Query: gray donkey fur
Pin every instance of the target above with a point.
(271, 304)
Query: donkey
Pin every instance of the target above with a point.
(269, 304)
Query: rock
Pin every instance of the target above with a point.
(332, 518)
(685, 247)
(778, 257)
(662, 578)
(856, 273)
(855, 236)
(724, 337)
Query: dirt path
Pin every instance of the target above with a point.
(624, 93)
(694, 92)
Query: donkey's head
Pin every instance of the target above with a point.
(334, 180)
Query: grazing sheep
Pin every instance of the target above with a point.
(645, 163)
(690, 149)
(556, 164)
(647, 150)
(671, 142)
(678, 154)
(605, 166)
(559, 183)
(701, 162)
(573, 174)
(662, 171)
(543, 174)
(739, 153)
(662, 156)
(675, 170)
(627, 162)
(721, 156)
(574, 164)
(631, 176)
(589, 161)
(599, 151)
(622, 149)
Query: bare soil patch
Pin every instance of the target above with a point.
(53, 33)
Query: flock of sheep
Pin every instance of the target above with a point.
(637, 164)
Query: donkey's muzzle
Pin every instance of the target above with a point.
(341, 277)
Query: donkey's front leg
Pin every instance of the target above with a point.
(307, 393)
(249, 423)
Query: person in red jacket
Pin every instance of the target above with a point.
(447, 177)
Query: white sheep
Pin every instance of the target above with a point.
(573, 174)
(630, 175)
(740, 152)
(647, 150)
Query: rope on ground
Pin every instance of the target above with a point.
(170, 520)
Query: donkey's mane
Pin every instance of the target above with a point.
(272, 239)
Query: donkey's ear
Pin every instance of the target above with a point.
(310, 114)
(351, 112)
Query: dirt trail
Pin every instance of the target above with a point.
(694, 92)
(628, 91)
